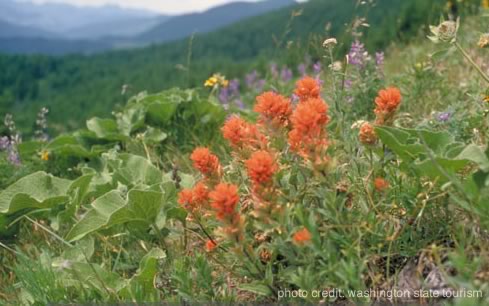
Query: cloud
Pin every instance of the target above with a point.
(163, 6)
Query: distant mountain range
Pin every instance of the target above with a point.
(57, 29)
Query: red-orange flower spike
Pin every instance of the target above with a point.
(210, 246)
(200, 193)
(307, 88)
(381, 184)
(224, 199)
(367, 134)
(204, 161)
(186, 199)
(302, 237)
(261, 167)
(241, 134)
(386, 104)
(273, 107)
(310, 115)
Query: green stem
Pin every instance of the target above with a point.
(467, 56)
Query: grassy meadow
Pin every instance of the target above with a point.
(356, 172)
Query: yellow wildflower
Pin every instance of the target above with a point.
(484, 40)
(485, 4)
(45, 155)
(216, 79)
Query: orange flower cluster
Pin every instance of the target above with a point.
(205, 162)
(242, 134)
(367, 134)
(307, 88)
(308, 136)
(273, 108)
(194, 199)
(261, 168)
(210, 245)
(302, 237)
(224, 199)
(387, 103)
(381, 184)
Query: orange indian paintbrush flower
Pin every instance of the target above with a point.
(205, 162)
(381, 184)
(241, 134)
(367, 134)
(261, 167)
(224, 199)
(386, 104)
(273, 107)
(302, 237)
(307, 88)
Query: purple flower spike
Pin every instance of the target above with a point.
(302, 68)
(444, 117)
(317, 68)
(357, 55)
(286, 74)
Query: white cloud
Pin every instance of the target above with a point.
(164, 6)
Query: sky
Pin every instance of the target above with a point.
(163, 6)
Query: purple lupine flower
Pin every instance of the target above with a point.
(260, 85)
(251, 78)
(4, 143)
(286, 74)
(444, 117)
(357, 54)
(379, 59)
(316, 68)
(234, 87)
(302, 68)
(224, 95)
(274, 70)
(239, 103)
(13, 156)
(347, 84)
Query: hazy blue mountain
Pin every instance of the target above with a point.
(65, 19)
(9, 30)
(212, 19)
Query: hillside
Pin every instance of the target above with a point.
(214, 18)
(91, 84)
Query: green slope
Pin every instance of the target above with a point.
(76, 87)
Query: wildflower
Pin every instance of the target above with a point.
(307, 88)
(224, 199)
(379, 59)
(4, 143)
(330, 42)
(273, 107)
(381, 184)
(484, 40)
(286, 74)
(445, 32)
(251, 78)
(316, 68)
(42, 125)
(261, 167)
(367, 134)
(210, 246)
(205, 162)
(357, 56)
(310, 116)
(444, 117)
(336, 66)
(387, 102)
(186, 199)
(200, 193)
(485, 4)
(195, 198)
(486, 99)
(216, 79)
(302, 237)
(242, 134)
(13, 156)
(45, 155)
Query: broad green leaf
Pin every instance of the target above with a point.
(111, 209)
(131, 119)
(135, 170)
(396, 142)
(105, 128)
(476, 155)
(154, 136)
(144, 277)
(38, 190)
(161, 113)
